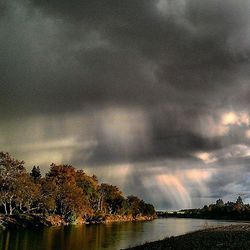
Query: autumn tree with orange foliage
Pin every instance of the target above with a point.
(63, 191)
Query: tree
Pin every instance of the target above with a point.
(49, 191)
(135, 204)
(89, 186)
(61, 174)
(239, 201)
(27, 194)
(111, 198)
(10, 172)
(219, 202)
(146, 209)
(69, 197)
(36, 173)
(63, 191)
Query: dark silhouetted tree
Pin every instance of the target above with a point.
(219, 202)
(36, 173)
(239, 201)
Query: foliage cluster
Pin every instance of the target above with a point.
(63, 191)
(219, 210)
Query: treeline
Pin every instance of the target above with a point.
(64, 191)
(219, 210)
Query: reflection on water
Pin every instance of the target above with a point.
(102, 236)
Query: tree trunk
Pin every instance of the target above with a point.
(5, 208)
(10, 206)
(99, 204)
(20, 206)
(11, 209)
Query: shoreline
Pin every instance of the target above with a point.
(35, 220)
(206, 218)
(228, 218)
(223, 237)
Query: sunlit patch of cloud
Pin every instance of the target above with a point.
(237, 151)
(206, 157)
(210, 127)
(233, 118)
(198, 174)
(247, 133)
(221, 125)
(231, 152)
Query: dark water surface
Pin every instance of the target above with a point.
(102, 236)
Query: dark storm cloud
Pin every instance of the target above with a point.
(174, 144)
(150, 53)
(136, 52)
(151, 79)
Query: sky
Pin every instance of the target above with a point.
(150, 95)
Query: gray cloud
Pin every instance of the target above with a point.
(134, 82)
(146, 56)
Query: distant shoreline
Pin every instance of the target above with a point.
(224, 237)
(188, 216)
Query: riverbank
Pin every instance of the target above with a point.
(34, 220)
(126, 218)
(204, 217)
(225, 237)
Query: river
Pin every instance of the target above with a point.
(100, 236)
